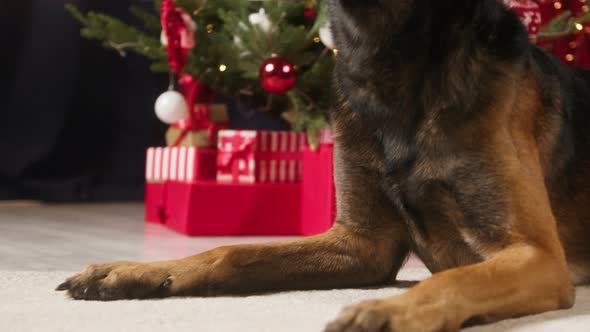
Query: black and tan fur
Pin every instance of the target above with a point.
(457, 139)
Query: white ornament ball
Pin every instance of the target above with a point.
(326, 36)
(261, 19)
(171, 107)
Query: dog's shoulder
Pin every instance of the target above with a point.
(568, 86)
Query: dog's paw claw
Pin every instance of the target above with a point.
(167, 283)
(369, 316)
(64, 286)
(119, 281)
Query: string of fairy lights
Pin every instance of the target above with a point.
(574, 48)
(577, 48)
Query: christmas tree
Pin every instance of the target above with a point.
(236, 44)
(236, 49)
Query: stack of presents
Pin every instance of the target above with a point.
(216, 182)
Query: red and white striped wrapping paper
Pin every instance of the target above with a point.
(325, 136)
(182, 164)
(259, 156)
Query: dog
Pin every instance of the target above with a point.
(456, 139)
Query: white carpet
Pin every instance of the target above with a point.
(28, 303)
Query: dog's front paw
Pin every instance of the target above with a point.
(390, 315)
(117, 281)
(369, 316)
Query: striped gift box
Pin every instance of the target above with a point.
(325, 136)
(182, 164)
(259, 156)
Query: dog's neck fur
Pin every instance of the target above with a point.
(422, 63)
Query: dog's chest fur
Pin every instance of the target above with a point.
(430, 175)
(425, 90)
(431, 179)
(424, 120)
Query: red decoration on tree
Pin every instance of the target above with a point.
(310, 13)
(277, 75)
(530, 14)
(173, 25)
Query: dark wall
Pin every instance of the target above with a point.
(75, 119)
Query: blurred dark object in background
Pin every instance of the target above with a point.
(76, 118)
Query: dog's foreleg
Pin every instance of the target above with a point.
(517, 281)
(524, 274)
(366, 247)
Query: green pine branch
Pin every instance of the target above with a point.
(151, 22)
(230, 50)
(563, 25)
(118, 35)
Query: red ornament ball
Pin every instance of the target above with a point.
(310, 13)
(277, 75)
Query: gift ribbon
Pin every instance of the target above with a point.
(226, 159)
(198, 116)
(243, 149)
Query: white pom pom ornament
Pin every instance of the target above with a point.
(171, 107)
(326, 36)
(261, 19)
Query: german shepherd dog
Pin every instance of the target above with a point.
(456, 139)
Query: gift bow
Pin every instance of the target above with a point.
(226, 159)
(198, 120)
(198, 116)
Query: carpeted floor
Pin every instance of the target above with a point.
(42, 245)
(27, 303)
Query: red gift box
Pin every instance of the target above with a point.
(186, 203)
(318, 202)
(207, 208)
(183, 164)
(182, 194)
(259, 156)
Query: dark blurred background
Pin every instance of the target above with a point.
(75, 118)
